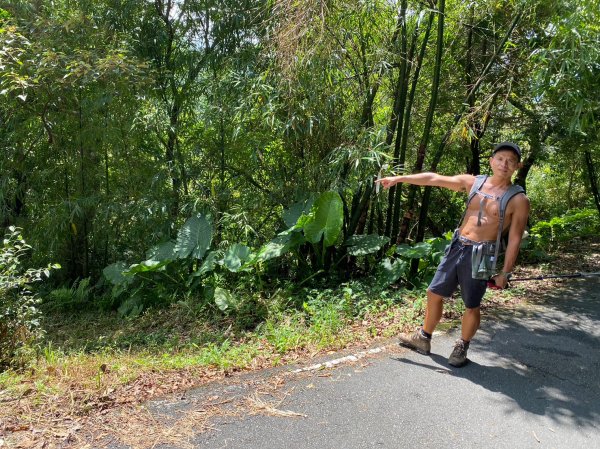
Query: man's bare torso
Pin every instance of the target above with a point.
(488, 228)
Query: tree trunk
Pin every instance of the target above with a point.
(84, 267)
(398, 110)
(401, 236)
(592, 177)
(172, 161)
(474, 167)
(406, 124)
(403, 127)
(440, 150)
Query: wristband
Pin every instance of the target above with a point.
(506, 274)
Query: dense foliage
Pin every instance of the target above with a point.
(19, 314)
(224, 147)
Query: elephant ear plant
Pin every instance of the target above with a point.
(314, 239)
(20, 330)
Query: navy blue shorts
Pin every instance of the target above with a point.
(454, 271)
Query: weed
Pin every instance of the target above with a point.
(50, 354)
(69, 299)
(20, 330)
(286, 333)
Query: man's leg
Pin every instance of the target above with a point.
(420, 340)
(433, 312)
(444, 282)
(470, 323)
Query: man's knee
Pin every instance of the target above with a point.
(473, 310)
(431, 296)
(473, 313)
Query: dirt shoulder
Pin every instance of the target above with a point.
(123, 416)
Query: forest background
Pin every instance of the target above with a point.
(218, 158)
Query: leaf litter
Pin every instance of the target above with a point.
(117, 414)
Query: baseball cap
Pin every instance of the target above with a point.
(508, 146)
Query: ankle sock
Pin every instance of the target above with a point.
(466, 343)
(425, 334)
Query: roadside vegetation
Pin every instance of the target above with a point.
(90, 360)
(187, 187)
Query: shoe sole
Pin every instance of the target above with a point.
(414, 348)
(458, 364)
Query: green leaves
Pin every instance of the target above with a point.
(361, 245)
(280, 245)
(236, 256)
(146, 266)
(194, 237)
(326, 223)
(224, 299)
(209, 263)
(389, 272)
(162, 251)
(20, 327)
(296, 210)
(114, 273)
(417, 251)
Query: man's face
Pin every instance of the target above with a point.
(504, 163)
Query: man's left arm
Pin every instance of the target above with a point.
(515, 235)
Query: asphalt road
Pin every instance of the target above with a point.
(532, 382)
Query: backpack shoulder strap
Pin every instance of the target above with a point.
(479, 181)
(513, 190)
(508, 195)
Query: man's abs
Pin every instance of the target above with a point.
(486, 229)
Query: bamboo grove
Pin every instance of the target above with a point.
(122, 120)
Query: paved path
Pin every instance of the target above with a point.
(532, 382)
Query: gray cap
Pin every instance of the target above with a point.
(508, 146)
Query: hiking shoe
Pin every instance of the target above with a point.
(416, 341)
(458, 357)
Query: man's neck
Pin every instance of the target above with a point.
(500, 182)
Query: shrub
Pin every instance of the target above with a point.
(574, 223)
(19, 316)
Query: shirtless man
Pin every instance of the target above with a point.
(480, 224)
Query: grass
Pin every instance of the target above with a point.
(93, 361)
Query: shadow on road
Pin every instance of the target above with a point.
(544, 356)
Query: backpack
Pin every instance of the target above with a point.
(485, 255)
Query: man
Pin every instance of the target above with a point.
(478, 228)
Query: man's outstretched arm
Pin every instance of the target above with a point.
(458, 183)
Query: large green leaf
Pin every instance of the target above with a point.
(162, 251)
(389, 272)
(235, 256)
(360, 245)
(327, 220)
(114, 273)
(438, 248)
(296, 210)
(279, 246)
(417, 251)
(224, 299)
(146, 266)
(208, 264)
(194, 237)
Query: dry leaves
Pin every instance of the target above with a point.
(91, 415)
(257, 405)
